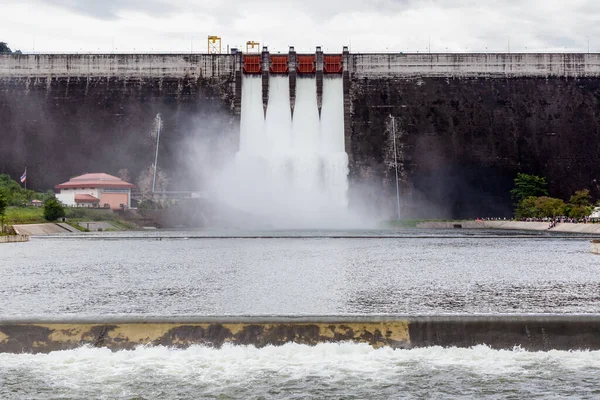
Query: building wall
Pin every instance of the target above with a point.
(114, 200)
(67, 196)
(67, 199)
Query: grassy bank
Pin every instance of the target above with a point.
(24, 215)
(75, 216)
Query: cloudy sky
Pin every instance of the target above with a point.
(364, 25)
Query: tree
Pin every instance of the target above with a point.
(580, 204)
(13, 192)
(549, 207)
(526, 208)
(4, 49)
(581, 198)
(528, 186)
(3, 205)
(53, 210)
(540, 207)
(46, 196)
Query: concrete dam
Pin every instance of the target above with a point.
(464, 123)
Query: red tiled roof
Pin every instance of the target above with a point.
(86, 198)
(95, 181)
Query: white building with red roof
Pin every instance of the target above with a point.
(95, 190)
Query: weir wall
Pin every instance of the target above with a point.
(465, 123)
(595, 246)
(14, 239)
(530, 332)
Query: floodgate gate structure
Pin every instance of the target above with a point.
(465, 124)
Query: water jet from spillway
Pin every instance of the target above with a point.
(291, 171)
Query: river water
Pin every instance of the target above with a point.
(402, 273)
(326, 273)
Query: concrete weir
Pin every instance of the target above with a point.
(14, 239)
(595, 246)
(530, 332)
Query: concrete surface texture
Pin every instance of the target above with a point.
(121, 65)
(595, 246)
(102, 124)
(475, 65)
(14, 239)
(461, 141)
(43, 229)
(360, 65)
(531, 332)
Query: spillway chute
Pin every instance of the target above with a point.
(291, 171)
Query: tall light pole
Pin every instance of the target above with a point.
(396, 166)
(588, 43)
(158, 123)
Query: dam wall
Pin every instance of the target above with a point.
(124, 66)
(63, 115)
(464, 123)
(499, 65)
(530, 332)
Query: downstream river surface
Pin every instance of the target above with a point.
(299, 273)
(404, 272)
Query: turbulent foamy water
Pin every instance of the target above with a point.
(348, 371)
(291, 170)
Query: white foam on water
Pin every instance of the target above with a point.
(290, 171)
(237, 362)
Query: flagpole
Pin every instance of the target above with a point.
(25, 178)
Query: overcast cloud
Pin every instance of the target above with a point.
(366, 26)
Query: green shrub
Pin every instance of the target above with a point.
(53, 210)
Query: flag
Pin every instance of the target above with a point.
(24, 176)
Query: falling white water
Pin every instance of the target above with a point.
(291, 171)
(332, 141)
